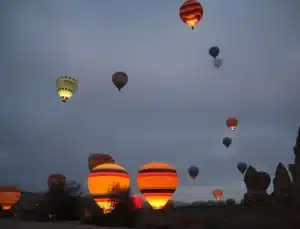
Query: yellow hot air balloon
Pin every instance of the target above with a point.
(9, 195)
(66, 86)
(157, 181)
(101, 182)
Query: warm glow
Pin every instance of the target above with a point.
(218, 194)
(9, 196)
(192, 22)
(157, 182)
(101, 181)
(137, 201)
(65, 93)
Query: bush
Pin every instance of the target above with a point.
(230, 202)
(61, 202)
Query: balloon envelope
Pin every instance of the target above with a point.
(66, 86)
(232, 123)
(119, 79)
(214, 51)
(218, 62)
(193, 171)
(137, 201)
(191, 12)
(157, 182)
(9, 195)
(218, 194)
(242, 166)
(103, 180)
(56, 178)
(98, 159)
(227, 141)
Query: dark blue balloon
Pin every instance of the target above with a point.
(214, 51)
(193, 171)
(227, 141)
(242, 166)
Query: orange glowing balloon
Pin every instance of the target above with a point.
(232, 123)
(137, 201)
(218, 194)
(103, 179)
(56, 178)
(9, 195)
(157, 182)
(98, 159)
(191, 12)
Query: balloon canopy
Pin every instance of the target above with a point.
(214, 51)
(66, 86)
(157, 182)
(218, 194)
(55, 179)
(119, 79)
(9, 195)
(193, 172)
(232, 123)
(227, 141)
(242, 166)
(98, 159)
(191, 12)
(104, 180)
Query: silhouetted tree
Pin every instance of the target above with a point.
(63, 201)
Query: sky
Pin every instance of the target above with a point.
(175, 104)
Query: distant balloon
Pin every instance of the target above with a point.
(9, 195)
(119, 79)
(232, 123)
(227, 141)
(193, 172)
(214, 51)
(157, 182)
(191, 12)
(66, 86)
(218, 62)
(242, 167)
(137, 201)
(55, 179)
(218, 194)
(98, 159)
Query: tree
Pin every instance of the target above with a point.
(63, 201)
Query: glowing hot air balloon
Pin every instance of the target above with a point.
(56, 178)
(137, 201)
(66, 86)
(218, 194)
(98, 159)
(232, 123)
(103, 179)
(119, 79)
(157, 182)
(9, 196)
(193, 172)
(191, 12)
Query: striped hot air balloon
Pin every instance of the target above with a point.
(9, 195)
(191, 12)
(218, 194)
(103, 180)
(157, 182)
(56, 178)
(98, 159)
(137, 201)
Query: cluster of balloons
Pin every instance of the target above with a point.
(67, 86)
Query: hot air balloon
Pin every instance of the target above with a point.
(157, 182)
(214, 51)
(232, 123)
(98, 159)
(66, 86)
(9, 196)
(191, 12)
(193, 172)
(103, 180)
(242, 166)
(227, 141)
(218, 62)
(56, 178)
(119, 79)
(218, 194)
(137, 201)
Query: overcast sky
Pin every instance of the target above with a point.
(175, 104)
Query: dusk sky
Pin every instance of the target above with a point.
(175, 104)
